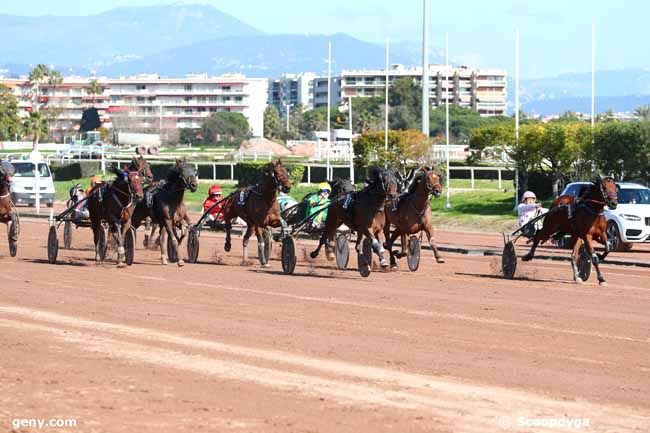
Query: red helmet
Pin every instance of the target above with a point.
(214, 190)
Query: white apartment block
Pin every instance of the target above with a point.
(291, 90)
(483, 90)
(63, 104)
(169, 103)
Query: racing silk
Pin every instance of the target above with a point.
(216, 212)
(316, 204)
(528, 212)
(286, 201)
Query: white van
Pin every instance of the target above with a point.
(23, 188)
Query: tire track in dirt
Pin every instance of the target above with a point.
(464, 407)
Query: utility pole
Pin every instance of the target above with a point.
(448, 204)
(425, 68)
(329, 107)
(386, 104)
(351, 144)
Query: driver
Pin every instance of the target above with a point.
(529, 208)
(319, 202)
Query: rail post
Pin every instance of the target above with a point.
(214, 171)
(309, 174)
(500, 183)
(232, 171)
(472, 174)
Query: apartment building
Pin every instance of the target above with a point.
(150, 101)
(291, 90)
(62, 104)
(483, 90)
(320, 92)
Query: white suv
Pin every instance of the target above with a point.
(630, 222)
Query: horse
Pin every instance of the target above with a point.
(410, 213)
(114, 203)
(141, 165)
(8, 213)
(583, 219)
(167, 206)
(258, 206)
(363, 212)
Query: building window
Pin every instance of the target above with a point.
(140, 87)
(188, 87)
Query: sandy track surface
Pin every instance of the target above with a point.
(220, 347)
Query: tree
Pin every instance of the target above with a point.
(188, 136)
(619, 150)
(35, 126)
(42, 75)
(461, 122)
(225, 128)
(405, 100)
(94, 88)
(367, 114)
(405, 149)
(272, 126)
(9, 120)
(643, 112)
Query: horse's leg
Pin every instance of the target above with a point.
(96, 228)
(577, 242)
(249, 232)
(259, 233)
(228, 225)
(389, 246)
(376, 247)
(163, 252)
(170, 231)
(428, 229)
(147, 231)
(119, 235)
(594, 259)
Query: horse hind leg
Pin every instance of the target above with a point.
(163, 253)
(120, 246)
(595, 260)
(228, 245)
(577, 243)
(249, 232)
(376, 247)
(432, 243)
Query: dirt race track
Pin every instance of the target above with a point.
(220, 347)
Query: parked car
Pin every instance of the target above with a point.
(23, 187)
(629, 223)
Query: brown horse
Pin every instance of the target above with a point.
(114, 203)
(167, 206)
(141, 165)
(583, 219)
(410, 213)
(362, 212)
(259, 207)
(8, 214)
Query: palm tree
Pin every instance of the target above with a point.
(643, 112)
(42, 75)
(35, 126)
(94, 88)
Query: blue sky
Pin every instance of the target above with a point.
(555, 34)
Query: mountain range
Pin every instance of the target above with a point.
(174, 40)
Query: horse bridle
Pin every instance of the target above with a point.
(130, 194)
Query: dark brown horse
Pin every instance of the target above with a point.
(141, 165)
(167, 206)
(8, 214)
(114, 203)
(583, 219)
(410, 213)
(362, 212)
(259, 207)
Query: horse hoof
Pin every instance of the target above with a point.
(330, 257)
(579, 281)
(393, 268)
(384, 263)
(313, 254)
(180, 263)
(164, 262)
(526, 258)
(602, 283)
(440, 260)
(227, 248)
(266, 265)
(121, 265)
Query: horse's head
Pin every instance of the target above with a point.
(433, 183)
(135, 182)
(278, 175)
(607, 188)
(141, 165)
(7, 171)
(383, 181)
(341, 186)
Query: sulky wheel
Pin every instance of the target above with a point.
(193, 245)
(364, 258)
(342, 251)
(584, 263)
(413, 253)
(67, 235)
(509, 260)
(52, 245)
(129, 246)
(288, 255)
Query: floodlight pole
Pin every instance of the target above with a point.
(329, 106)
(386, 106)
(448, 205)
(351, 144)
(425, 68)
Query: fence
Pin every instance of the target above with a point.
(480, 174)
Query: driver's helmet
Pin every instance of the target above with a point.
(214, 190)
(73, 192)
(528, 194)
(324, 187)
(95, 180)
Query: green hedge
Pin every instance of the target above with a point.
(76, 170)
(249, 173)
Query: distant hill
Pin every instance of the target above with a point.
(263, 56)
(115, 36)
(620, 90)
